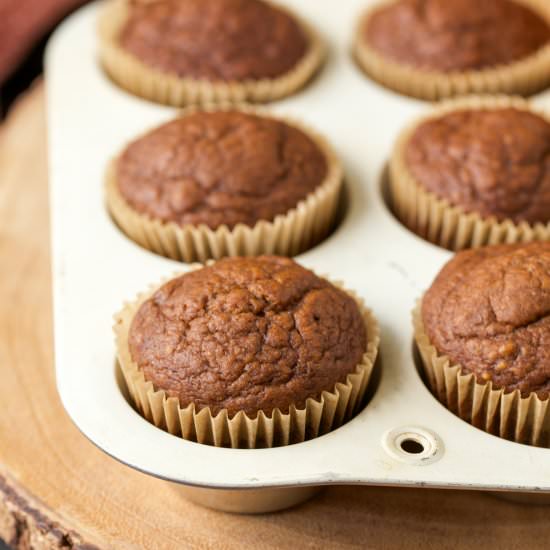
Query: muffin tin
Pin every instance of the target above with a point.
(403, 437)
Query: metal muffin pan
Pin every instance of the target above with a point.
(96, 268)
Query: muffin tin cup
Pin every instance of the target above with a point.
(436, 219)
(287, 235)
(504, 414)
(168, 88)
(319, 416)
(524, 77)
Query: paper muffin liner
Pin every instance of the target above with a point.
(287, 235)
(504, 414)
(168, 88)
(319, 416)
(523, 77)
(435, 219)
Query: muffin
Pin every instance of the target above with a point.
(225, 182)
(433, 49)
(483, 331)
(199, 51)
(474, 172)
(247, 352)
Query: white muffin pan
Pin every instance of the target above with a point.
(96, 268)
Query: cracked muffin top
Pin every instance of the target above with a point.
(489, 311)
(227, 40)
(495, 162)
(218, 168)
(247, 334)
(457, 35)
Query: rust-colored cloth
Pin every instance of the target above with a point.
(23, 23)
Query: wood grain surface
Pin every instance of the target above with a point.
(58, 491)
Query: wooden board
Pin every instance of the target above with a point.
(58, 491)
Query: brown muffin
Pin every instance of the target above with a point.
(474, 172)
(247, 335)
(202, 51)
(220, 168)
(457, 35)
(493, 162)
(435, 49)
(488, 310)
(214, 39)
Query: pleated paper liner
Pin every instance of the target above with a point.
(287, 235)
(328, 412)
(144, 81)
(523, 77)
(435, 219)
(507, 415)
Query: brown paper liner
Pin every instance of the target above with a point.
(319, 416)
(524, 77)
(435, 219)
(287, 235)
(505, 414)
(144, 81)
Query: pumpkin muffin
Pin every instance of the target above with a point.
(262, 343)
(178, 52)
(483, 329)
(225, 182)
(433, 49)
(475, 172)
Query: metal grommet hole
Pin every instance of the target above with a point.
(413, 445)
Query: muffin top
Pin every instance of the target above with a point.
(220, 168)
(495, 162)
(489, 311)
(455, 35)
(227, 40)
(247, 334)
